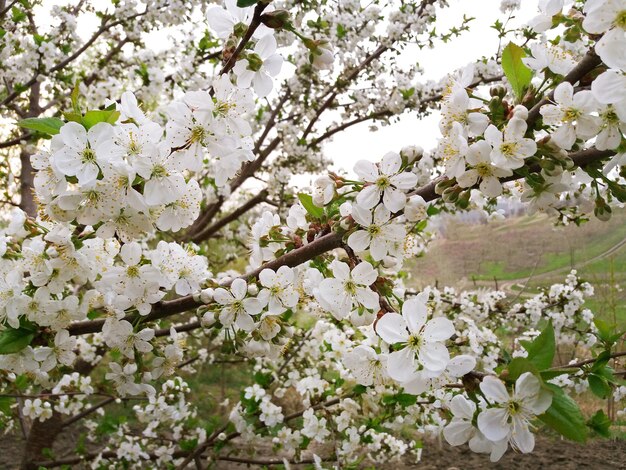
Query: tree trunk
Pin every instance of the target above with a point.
(27, 197)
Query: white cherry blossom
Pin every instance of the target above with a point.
(422, 341)
(386, 180)
(510, 415)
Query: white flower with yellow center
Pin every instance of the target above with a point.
(479, 159)
(510, 148)
(510, 415)
(572, 113)
(384, 180)
(422, 341)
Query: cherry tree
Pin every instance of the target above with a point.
(151, 233)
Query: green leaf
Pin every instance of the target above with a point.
(518, 366)
(48, 126)
(541, 350)
(564, 416)
(246, 3)
(516, 72)
(13, 340)
(74, 98)
(405, 399)
(550, 374)
(264, 380)
(5, 405)
(311, 208)
(91, 118)
(189, 444)
(604, 329)
(600, 423)
(599, 386)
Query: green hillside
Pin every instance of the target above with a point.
(525, 253)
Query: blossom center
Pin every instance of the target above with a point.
(254, 62)
(197, 134)
(620, 20)
(383, 182)
(484, 169)
(509, 149)
(514, 407)
(415, 342)
(570, 115)
(610, 117)
(133, 271)
(350, 287)
(158, 171)
(88, 155)
(222, 108)
(373, 230)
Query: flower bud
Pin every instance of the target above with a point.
(499, 91)
(276, 19)
(412, 153)
(520, 112)
(206, 295)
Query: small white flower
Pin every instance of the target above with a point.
(479, 159)
(552, 57)
(278, 289)
(510, 148)
(422, 341)
(510, 416)
(572, 113)
(386, 180)
(237, 307)
(601, 15)
(258, 67)
(368, 367)
(378, 232)
(85, 153)
(348, 290)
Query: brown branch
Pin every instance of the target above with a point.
(86, 412)
(207, 232)
(16, 141)
(587, 361)
(168, 308)
(589, 62)
(252, 27)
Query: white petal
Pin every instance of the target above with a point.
(414, 313)
(492, 423)
(494, 390)
(401, 364)
(392, 328)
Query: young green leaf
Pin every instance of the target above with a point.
(246, 3)
(91, 118)
(311, 208)
(13, 340)
(541, 350)
(600, 423)
(564, 416)
(518, 366)
(599, 386)
(48, 126)
(516, 72)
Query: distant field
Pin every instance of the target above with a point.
(526, 253)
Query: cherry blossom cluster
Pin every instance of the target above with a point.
(335, 345)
